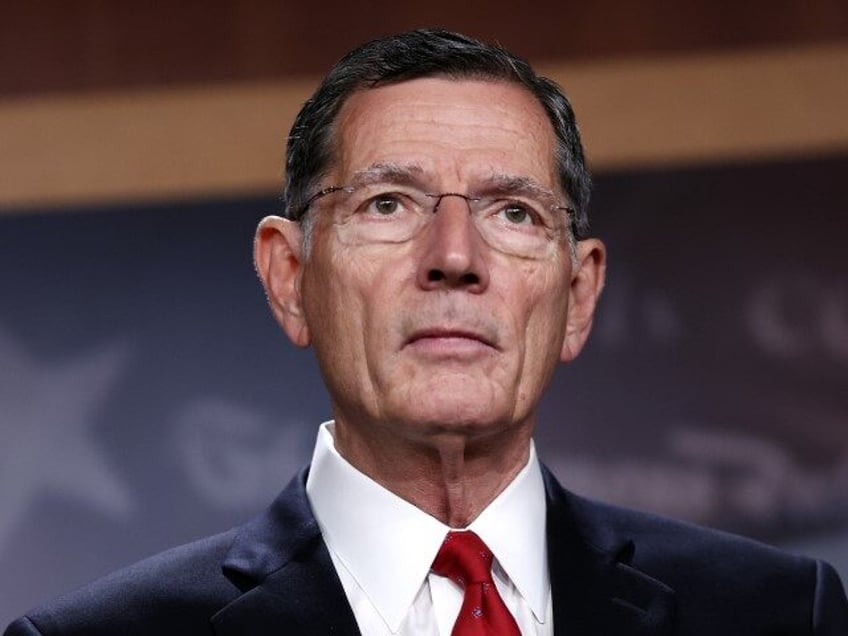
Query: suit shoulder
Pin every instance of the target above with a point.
(658, 539)
(714, 576)
(695, 560)
(176, 591)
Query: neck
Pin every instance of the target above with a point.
(451, 476)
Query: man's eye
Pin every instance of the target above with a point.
(517, 214)
(385, 204)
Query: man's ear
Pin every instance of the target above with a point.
(277, 254)
(587, 281)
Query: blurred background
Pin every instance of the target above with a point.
(147, 397)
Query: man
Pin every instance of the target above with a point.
(434, 256)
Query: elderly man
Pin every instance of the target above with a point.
(433, 253)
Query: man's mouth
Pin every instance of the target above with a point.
(448, 340)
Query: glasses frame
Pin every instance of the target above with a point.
(302, 210)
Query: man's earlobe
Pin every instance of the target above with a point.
(587, 281)
(277, 255)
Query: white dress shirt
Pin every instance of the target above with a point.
(382, 548)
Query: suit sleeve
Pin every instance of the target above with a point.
(830, 608)
(22, 627)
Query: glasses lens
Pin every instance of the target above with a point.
(518, 225)
(381, 213)
(388, 213)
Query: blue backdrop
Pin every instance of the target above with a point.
(148, 398)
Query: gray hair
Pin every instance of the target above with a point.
(412, 55)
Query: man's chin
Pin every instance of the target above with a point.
(464, 418)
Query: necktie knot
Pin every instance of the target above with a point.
(466, 560)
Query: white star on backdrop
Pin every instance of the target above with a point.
(47, 411)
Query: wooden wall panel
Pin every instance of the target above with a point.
(104, 100)
(229, 138)
(72, 45)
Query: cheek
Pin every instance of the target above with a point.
(334, 310)
(540, 293)
(346, 301)
(545, 312)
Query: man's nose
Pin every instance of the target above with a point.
(454, 254)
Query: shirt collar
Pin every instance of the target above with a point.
(513, 526)
(388, 545)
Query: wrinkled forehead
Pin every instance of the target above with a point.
(459, 130)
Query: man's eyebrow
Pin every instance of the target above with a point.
(402, 173)
(415, 174)
(515, 185)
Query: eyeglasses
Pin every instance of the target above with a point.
(530, 224)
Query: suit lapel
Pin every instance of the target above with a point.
(289, 585)
(595, 588)
(288, 581)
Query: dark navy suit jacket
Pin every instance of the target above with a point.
(614, 572)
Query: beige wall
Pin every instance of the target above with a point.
(225, 139)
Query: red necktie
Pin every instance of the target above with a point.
(466, 560)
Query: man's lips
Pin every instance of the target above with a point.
(441, 336)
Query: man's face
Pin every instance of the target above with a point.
(441, 333)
